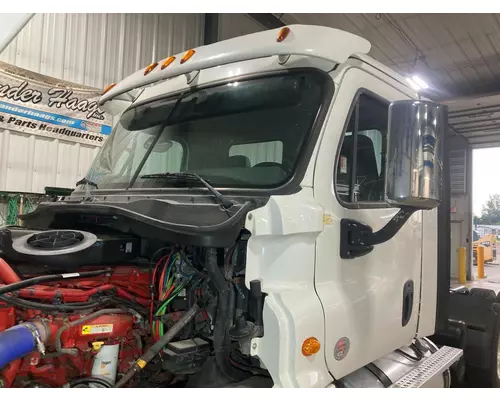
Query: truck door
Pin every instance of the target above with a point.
(370, 303)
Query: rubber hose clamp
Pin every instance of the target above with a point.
(36, 336)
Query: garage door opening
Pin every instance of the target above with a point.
(486, 210)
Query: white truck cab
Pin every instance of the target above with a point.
(333, 167)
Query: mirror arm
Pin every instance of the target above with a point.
(358, 239)
(391, 228)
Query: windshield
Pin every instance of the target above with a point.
(246, 134)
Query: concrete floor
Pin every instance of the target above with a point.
(491, 280)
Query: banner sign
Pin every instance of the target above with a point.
(40, 105)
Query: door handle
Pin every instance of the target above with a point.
(407, 302)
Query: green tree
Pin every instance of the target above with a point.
(491, 210)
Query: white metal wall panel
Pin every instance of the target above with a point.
(98, 49)
(458, 171)
(88, 49)
(29, 163)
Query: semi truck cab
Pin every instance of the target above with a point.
(336, 171)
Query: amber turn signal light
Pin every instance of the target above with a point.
(283, 34)
(310, 346)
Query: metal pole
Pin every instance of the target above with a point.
(10, 26)
(211, 31)
(480, 262)
(461, 265)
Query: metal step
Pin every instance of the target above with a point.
(429, 367)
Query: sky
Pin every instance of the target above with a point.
(486, 176)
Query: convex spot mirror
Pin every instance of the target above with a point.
(415, 154)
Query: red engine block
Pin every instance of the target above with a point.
(55, 370)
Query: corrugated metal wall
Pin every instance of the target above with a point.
(89, 49)
(98, 49)
(28, 163)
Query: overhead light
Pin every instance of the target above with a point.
(420, 82)
(417, 83)
(413, 85)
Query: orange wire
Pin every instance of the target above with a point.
(162, 276)
(151, 308)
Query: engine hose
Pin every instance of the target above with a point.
(7, 274)
(49, 278)
(20, 340)
(214, 272)
(87, 317)
(89, 380)
(159, 345)
(225, 307)
(53, 307)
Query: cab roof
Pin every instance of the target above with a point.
(314, 41)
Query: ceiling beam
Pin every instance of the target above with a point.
(483, 136)
(474, 89)
(482, 128)
(485, 145)
(475, 121)
(475, 111)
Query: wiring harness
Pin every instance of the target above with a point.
(171, 275)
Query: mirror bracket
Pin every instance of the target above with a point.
(358, 239)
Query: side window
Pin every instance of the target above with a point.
(257, 153)
(361, 164)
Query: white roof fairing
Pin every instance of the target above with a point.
(314, 41)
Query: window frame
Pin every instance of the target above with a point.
(361, 204)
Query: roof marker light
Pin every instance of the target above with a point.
(187, 55)
(283, 34)
(167, 62)
(108, 88)
(150, 67)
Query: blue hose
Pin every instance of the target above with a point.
(16, 342)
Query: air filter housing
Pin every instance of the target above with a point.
(66, 249)
(55, 242)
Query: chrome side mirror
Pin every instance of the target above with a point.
(415, 154)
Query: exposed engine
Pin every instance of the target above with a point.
(81, 309)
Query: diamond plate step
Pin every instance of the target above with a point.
(429, 367)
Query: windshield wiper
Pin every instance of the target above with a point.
(155, 140)
(224, 202)
(85, 181)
